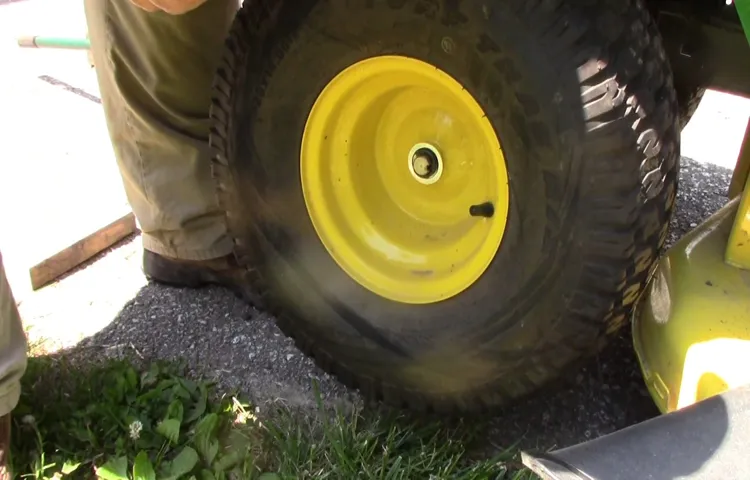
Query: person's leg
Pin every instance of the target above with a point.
(13, 359)
(155, 72)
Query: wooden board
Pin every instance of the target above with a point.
(69, 258)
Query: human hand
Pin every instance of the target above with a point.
(172, 7)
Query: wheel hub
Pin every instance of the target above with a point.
(416, 234)
(425, 163)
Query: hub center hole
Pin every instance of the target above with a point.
(425, 163)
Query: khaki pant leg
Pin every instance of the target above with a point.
(155, 72)
(13, 347)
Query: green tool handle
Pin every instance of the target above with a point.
(40, 41)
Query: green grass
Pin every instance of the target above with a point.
(113, 421)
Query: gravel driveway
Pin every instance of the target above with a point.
(108, 309)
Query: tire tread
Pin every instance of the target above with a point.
(627, 93)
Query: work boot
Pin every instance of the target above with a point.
(224, 271)
(5, 473)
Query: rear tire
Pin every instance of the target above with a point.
(688, 99)
(580, 95)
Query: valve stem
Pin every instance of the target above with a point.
(486, 210)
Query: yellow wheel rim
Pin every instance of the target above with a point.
(394, 154)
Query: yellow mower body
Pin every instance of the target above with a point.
(691, 332)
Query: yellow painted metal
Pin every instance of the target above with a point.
(407, 240)
(691, 331)
(738, 244)
(742, 169)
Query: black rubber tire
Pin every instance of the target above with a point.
(691, 72)
(581, 95)
(688, 99)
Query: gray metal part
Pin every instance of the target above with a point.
(706, 441)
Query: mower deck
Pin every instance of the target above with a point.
(692, 332)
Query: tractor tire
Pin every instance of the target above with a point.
(688, 99)
(580, 97)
